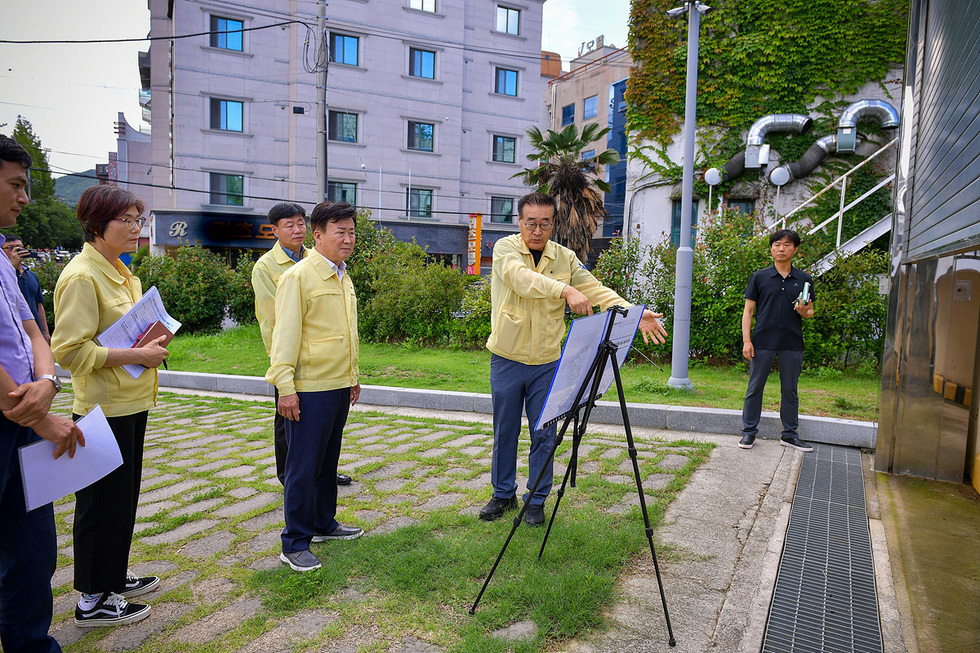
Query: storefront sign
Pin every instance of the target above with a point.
(212, 230)
(473, 244)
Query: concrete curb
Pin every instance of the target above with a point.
(849, 433)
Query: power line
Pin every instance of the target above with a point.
(151, 38)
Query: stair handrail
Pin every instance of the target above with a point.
(843, 182)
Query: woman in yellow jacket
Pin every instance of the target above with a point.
(94, 290)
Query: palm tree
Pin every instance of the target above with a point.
(572, 180)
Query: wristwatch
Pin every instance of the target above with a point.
(53, 379)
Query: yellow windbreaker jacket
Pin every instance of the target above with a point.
(528, 313)
(90, 295)
(314, 341)
(265, 277)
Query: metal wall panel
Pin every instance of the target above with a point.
(945, 204)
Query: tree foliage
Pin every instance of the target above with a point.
(572, 180)
(758, 57)
(46, 222)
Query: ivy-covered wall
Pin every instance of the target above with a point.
(757, 57)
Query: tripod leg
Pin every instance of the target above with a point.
(520, 515)
(643, 504)
(569, 474)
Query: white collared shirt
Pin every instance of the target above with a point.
(339, 269)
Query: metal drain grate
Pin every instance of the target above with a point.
(825, 599)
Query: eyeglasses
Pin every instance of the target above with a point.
(132, 223)
(543, 226)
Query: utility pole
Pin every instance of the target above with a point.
(685, 254)
(321, 105)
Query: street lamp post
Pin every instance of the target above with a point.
(685, 254)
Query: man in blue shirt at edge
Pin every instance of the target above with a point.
(30, 285)
(774, 297)
(28, 552)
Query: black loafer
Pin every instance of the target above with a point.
(344, 480)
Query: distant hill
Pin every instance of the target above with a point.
(68, 188)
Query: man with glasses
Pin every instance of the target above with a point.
(28, 546)
(30, 285)
(533, 279)
(288, 222)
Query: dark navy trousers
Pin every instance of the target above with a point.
(790, 366)
(311, 466)
(516, 388)
(27, 554)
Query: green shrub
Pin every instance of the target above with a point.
(138, 257)
(412, 298)
(472, 326)
(241, 297)
(618, 265)
(47, 273)
(848, 326)
(194, 286)
(370, 257)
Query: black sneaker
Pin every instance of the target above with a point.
(496, 508)
(340, 533)
(534, 515)
(796, 443)
(136, 585)
(747, 441)
(111, 610)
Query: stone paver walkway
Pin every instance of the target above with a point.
(211, 512)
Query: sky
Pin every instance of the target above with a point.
(71, 94)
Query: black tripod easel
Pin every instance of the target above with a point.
(606, 352)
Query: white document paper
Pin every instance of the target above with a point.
(47, 479)
(125, 331)
(579, 352)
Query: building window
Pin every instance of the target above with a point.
(742, 205)
(508, 20)
(421, 63)
(567, 114)
(505, 81)
(423, 5)
(228, 190)
(589, 154)
(419, 203)
(343, 127)
(591, 107)
(675, 222)
(342, 191)
(226, 33)
(504, 149)
(421, 136)
(502, 210)
(227, 115)
(343, 49)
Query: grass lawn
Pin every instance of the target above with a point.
(412, 579)
(823, 392)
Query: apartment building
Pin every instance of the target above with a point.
(426, 106)
(592, 92)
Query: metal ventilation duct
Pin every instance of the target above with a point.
(807, 163)
(776, 122)
(885, 113)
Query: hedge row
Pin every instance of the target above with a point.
(403, 295)
(847, 329)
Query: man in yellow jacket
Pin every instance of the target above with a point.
(288, 221)
(533, 279)
(313, 364)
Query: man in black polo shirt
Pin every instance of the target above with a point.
(775, 297)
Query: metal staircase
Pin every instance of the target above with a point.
(859, 241)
